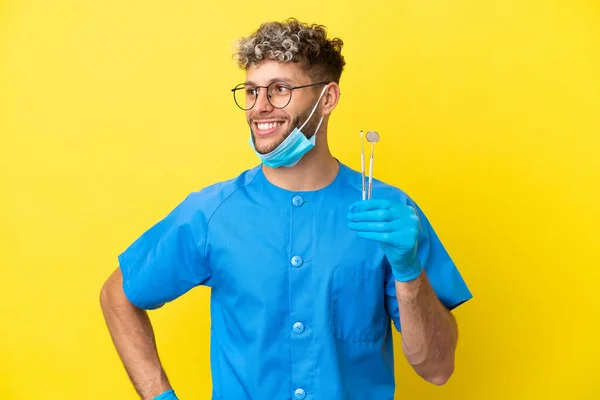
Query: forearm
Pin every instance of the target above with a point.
(429, 331)
(133, 336)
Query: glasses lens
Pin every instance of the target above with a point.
(279, 94)
(244, 96)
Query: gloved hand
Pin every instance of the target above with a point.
(396, 227)
(168, 395)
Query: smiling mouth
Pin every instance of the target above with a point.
(266, 128)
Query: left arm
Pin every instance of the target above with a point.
(429, 331)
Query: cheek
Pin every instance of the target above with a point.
(294, 118)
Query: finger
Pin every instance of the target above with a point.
(379, 215)
(372, 227)
(381, 237)
(366, 205)
(371, 205)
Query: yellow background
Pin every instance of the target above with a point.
(112, 111)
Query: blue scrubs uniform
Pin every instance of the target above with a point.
(301, 307)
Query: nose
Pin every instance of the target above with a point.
(262, 102)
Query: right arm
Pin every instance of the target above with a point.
(133, 337)
(166, 261)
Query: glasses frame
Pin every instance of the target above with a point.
(241, 86)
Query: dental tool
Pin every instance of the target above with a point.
(362, 165)
(372, 137)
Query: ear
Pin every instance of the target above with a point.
(330, 98)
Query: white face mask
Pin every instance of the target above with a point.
(294, 147)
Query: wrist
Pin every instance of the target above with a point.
(412, 292)
(168, 395)
(408, 273)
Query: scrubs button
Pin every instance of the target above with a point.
(299, 394)
(298, 201)
(298, 327)
(296, 261)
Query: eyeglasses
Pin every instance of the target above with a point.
(279, 94)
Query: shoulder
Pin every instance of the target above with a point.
(207, 200)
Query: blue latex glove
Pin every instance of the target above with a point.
(168, 395)
(396, 227)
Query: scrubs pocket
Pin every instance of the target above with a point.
(358, 304)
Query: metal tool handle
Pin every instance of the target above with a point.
(371, 171)
(362, 164)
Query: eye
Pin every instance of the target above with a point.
(250, 91)
(279, 89)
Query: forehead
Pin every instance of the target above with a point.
(268, 71)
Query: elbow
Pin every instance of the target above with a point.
(107, 297)
(440, 379)
(441, 374)
(104, 294)
(435, 370)
(111, 290)
(433, 364)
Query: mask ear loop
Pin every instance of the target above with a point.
(319, 125)
(314, 108)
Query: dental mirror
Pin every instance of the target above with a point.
(372, 137)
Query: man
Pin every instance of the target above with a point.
(305, 276)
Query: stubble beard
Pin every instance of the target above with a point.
(308, 131)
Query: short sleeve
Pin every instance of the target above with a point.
(442, 273)
(168, 259)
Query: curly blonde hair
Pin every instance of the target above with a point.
(293, 41)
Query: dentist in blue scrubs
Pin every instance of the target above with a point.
(307, 279)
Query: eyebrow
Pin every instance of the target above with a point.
(277, 79)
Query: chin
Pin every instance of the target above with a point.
(267, 144)
(264, 148)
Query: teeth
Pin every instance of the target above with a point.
(265, 126)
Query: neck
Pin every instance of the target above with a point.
(316, 170)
